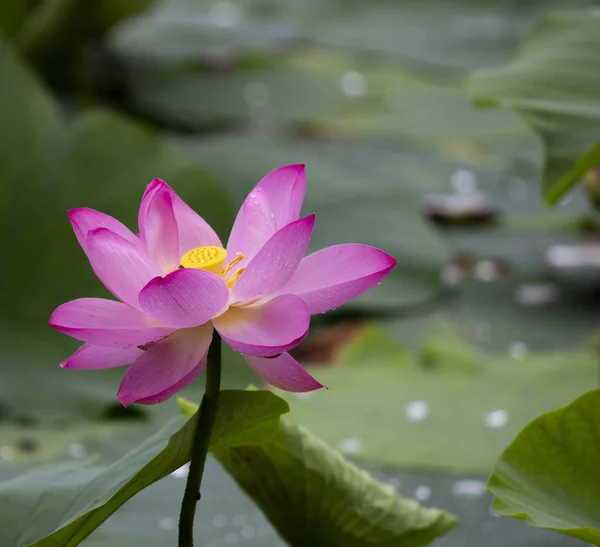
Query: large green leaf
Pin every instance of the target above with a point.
(553, 84)
(71, 500)
(549, 474)
(314, 497)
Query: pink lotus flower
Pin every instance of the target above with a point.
(175, 283)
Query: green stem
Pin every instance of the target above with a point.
(205, 419)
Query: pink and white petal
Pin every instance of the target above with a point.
(84, 220)
(265, 330)
(275, 263)
(185, 297)
(124, 267)
(334, 275)
(106, 323)
(158, 227)
(178, 386)
(284, 372)
(165, 366)
(274, 202)
(91, 357)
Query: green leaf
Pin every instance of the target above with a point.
(314, 497)
(549, 474)
(554, 85)
(72, 499)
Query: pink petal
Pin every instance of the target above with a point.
(124, 267)
(284, 372)
(166, 366)
(276, 262)
(185, 297)
(158, 227)
(90, 357)
(85, 220)
(274, 202)
(177, 386)
(192, 230)
(265, 330)
(334, 275)
(106, 323)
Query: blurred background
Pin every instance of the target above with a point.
(488, 320)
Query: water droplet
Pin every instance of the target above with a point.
(518, 350)
(354, 84)
(463, 182)
(351, 445)
(496, 419)
(77, 450)
(470, 488)
(247, 532)
(166, 523)
(423, 493)
(7, 453)
(305, 396)
(256, 94)
(417, 411)
(232, 538)
(219, 521)
(487, 270)
(224, 15)
(537, 294)
(182, 472)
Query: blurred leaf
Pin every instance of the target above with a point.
(457, 415)
(549, 474)
(12, 15)
(553, 85)
(71, 500)
(314, 497)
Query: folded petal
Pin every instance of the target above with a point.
(275, 263)
(158, 227)
(166, 367)
(85, 220)
(124, 267)
(106, 323)
(185, 297)
(283, 372)
(192, 230)
(265, 330)
(274, 202)
(334, 275)
(90, 357)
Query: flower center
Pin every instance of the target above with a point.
(205, 258)
(211, 259)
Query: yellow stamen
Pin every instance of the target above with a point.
(232, 280)
(236, 260)
(205, 258)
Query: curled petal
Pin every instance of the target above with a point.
(90, 357)
(276, 262)
(166, 367)
(124, 267)
(158, 227)
(274, 202)
(192, 230)
(265, 330)
(283, 372)
(185, 298)
(334, 275)
(84, 220)
(106, 323)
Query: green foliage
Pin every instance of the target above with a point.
(314, 497)
(553, 85)
(549, 474)
(71, 500)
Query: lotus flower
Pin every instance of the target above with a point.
(175, 282)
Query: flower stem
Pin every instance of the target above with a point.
(205, 419)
